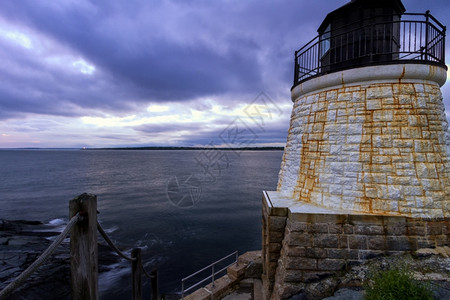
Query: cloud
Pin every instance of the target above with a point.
(132, 71)
(141, 50)
(172, 50)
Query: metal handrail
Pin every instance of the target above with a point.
(213, 272)
(420, 39)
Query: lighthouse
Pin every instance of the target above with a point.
(365, 170)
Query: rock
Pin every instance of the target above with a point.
(21, 243)
(9, 272)
(4, 240)
(347, 294)
(253, 262)
(23, 240)
(441, 290)
(322, 289)
(301, 296)
(16, 225)
(433, 268)
(425, 252)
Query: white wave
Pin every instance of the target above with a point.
(143, 248)
(57, 222)
(112, 229)
(56, 225)
(110, 278)
(149, 240)
(154, 261)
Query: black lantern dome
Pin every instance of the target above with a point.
(367, 20)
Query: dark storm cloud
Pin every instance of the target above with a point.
(158, 67)
(29, 85)
(162, 50)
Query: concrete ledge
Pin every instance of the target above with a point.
(219, 288)
(200, 294)
(236, 272)
(318, 242)
(279, 204)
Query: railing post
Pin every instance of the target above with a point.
(154, 280)
(444, 29)
(136, 273)
(83, 248)
(182, 289)
(427, 36)
(295, 69)
(212, 275)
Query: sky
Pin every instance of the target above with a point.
(131, 73)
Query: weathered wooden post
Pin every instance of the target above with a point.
(154, 280)
(136, 272)
(83, 248)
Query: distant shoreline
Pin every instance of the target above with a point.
(191, 148)
(158, 148)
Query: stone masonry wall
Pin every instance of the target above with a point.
(314, 246)
(273, 227)
(376, 147)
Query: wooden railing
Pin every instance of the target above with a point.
(83, 227)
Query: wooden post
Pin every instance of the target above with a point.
(136, 273)
(83, 248)
(154, 280)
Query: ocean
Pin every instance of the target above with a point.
(184, 208)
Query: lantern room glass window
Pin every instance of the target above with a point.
(325, 41)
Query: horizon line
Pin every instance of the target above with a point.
(148, 148)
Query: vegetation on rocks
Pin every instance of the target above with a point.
(395, 283)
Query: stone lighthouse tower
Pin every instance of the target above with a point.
(365, 170)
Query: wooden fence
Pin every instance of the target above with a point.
(83, 227)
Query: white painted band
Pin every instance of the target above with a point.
(398, 72)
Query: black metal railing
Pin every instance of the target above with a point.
(413, 38)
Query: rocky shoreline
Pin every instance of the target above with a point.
(427, 265)
(431, 266)
(22, 242)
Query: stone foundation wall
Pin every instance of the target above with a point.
(304, 247)
(370, 140)
(273, 227)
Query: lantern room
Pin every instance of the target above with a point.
(360, 32)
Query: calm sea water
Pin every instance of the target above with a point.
(185, 209)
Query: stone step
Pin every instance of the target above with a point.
(257, 289)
